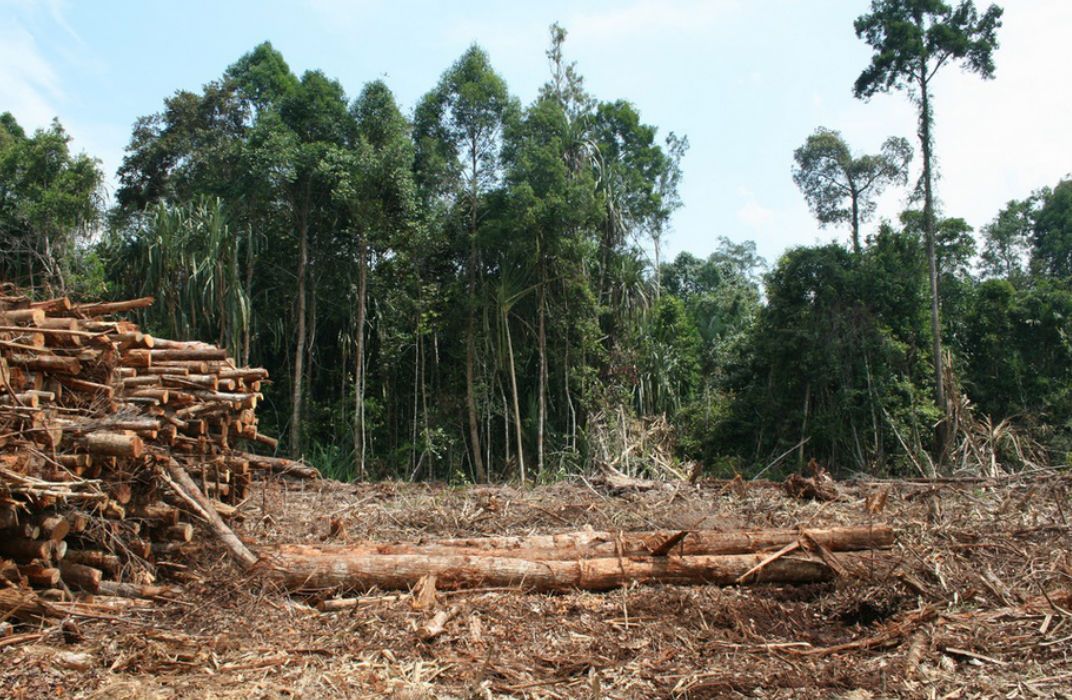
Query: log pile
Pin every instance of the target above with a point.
(98, 423)
(587, 560)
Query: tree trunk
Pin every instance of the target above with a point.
(305, 570)
(249, 297)
(571, 546)
(855, 222)
(470, 331)
(928, 229)
(542, 389)
(513, 386)
(359, 358)
(299, 341)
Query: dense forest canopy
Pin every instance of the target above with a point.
(475, 290)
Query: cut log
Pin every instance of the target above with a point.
(111, 307)
(571, 546)
(180, 532)
(138, 358)
(40, 575)
(24, 550)
(54, 527)
(280, 465)
(80, 576)
(161, 512)
(108, 563)
(134, 590)
(313, 570)
(197, 354)
(30, 317)
(56, 305)
(48, 363)
(115, 444)
(87, 387)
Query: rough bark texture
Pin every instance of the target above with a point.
(299, 343)
(593, 545)
(314, 570)
(928, 228)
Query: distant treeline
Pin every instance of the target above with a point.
(470, 291)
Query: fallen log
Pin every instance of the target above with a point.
(312, 570)
(592, 545)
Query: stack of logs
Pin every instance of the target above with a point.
(93, 412)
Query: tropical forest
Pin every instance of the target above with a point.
(325, 394)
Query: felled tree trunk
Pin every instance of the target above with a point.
(308, 569)
(585, 560)
(593, 545)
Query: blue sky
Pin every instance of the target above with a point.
(745, 80)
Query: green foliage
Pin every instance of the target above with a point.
(841, 188)
(913, 38)
(835, 357)
(466, 296)
(1007, 239)
(50, 201)
(188, 257)
(1051, 253)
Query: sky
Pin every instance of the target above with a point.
(745, 80)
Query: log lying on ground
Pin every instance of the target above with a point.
(587, 560)
(592, 544)
(311, 570)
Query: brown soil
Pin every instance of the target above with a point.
(978, 607)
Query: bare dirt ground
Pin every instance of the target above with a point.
(977, 607)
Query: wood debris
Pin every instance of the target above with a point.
(115, 448)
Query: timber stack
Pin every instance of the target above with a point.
(96, 420)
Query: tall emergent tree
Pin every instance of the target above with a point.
(841, 188)
(912, 40)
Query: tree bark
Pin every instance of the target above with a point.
(305, 571)
(248, 322)
(513, 386)
(299, 341)
(542, 389)
(855, 222)
(929, 233)
(470, 328)
(359, 359)
(572, 546)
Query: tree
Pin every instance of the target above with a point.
(1007, 239)
(317, 123)
(50, 200)
(913, 40)
(459, 137)
(373, 179)
(841, 188)
(1051, 253)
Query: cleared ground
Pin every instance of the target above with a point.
(979, 606)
